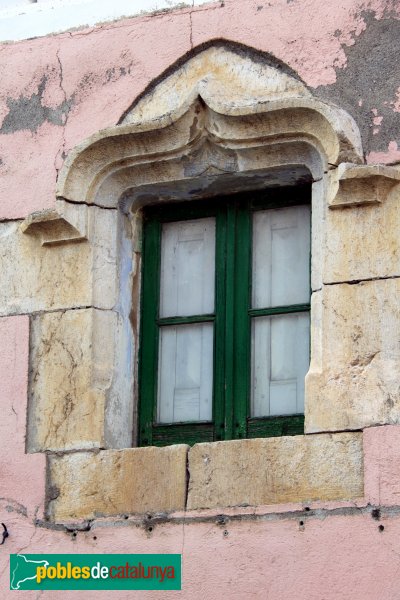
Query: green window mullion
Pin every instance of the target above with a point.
(219, 327)
(229, 319)
(149, 342)
(241, 320)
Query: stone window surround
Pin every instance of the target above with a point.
(201, 130)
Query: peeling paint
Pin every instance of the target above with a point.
(29, 113)
(396, 103)
(391, 155)
(368, 79)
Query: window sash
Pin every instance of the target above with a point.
(231, 320)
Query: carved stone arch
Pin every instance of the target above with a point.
(217, 113)
(226, 118)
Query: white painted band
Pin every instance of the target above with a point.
(22, 19)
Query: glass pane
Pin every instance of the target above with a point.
(185, 373)
(187, 268)
(279, 363)
(281, 255)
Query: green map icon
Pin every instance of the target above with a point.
(24, 569)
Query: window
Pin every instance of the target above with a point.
(225, 318)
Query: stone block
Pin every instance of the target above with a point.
(112, 482)
(103, 236)
(362, 242)
(353, 381)
(69, 378)
(275, 470)
(55, 270)
(35, 277)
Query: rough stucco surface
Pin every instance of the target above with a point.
(382, 460)
(368, 85)
(16, 468)
(58, 90)
(332, 558)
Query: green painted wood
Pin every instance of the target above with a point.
(278, 310)
(185, 320)
(229, 319)
(241, 342)
(232, 320)
(275, 426)
(149, 330)
(182, 433)
(219, 326)
(150, 433)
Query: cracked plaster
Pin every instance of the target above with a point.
(99, 83)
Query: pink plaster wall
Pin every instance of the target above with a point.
(99, 72)
(328, 558)
(22, 477)
(382, 465)
(392, 155)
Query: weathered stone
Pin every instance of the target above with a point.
(121, 402)
(112, 482)
(52, 228)
(205, 74)
(69, 378)
(103, 235)
(276, 470)
(47, 277)
(191, 136)
(357, 185)
(246, 103)
(362, 242)
(353, 381)
(55, 269)
(222, 122)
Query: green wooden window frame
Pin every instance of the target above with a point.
(232, 320)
